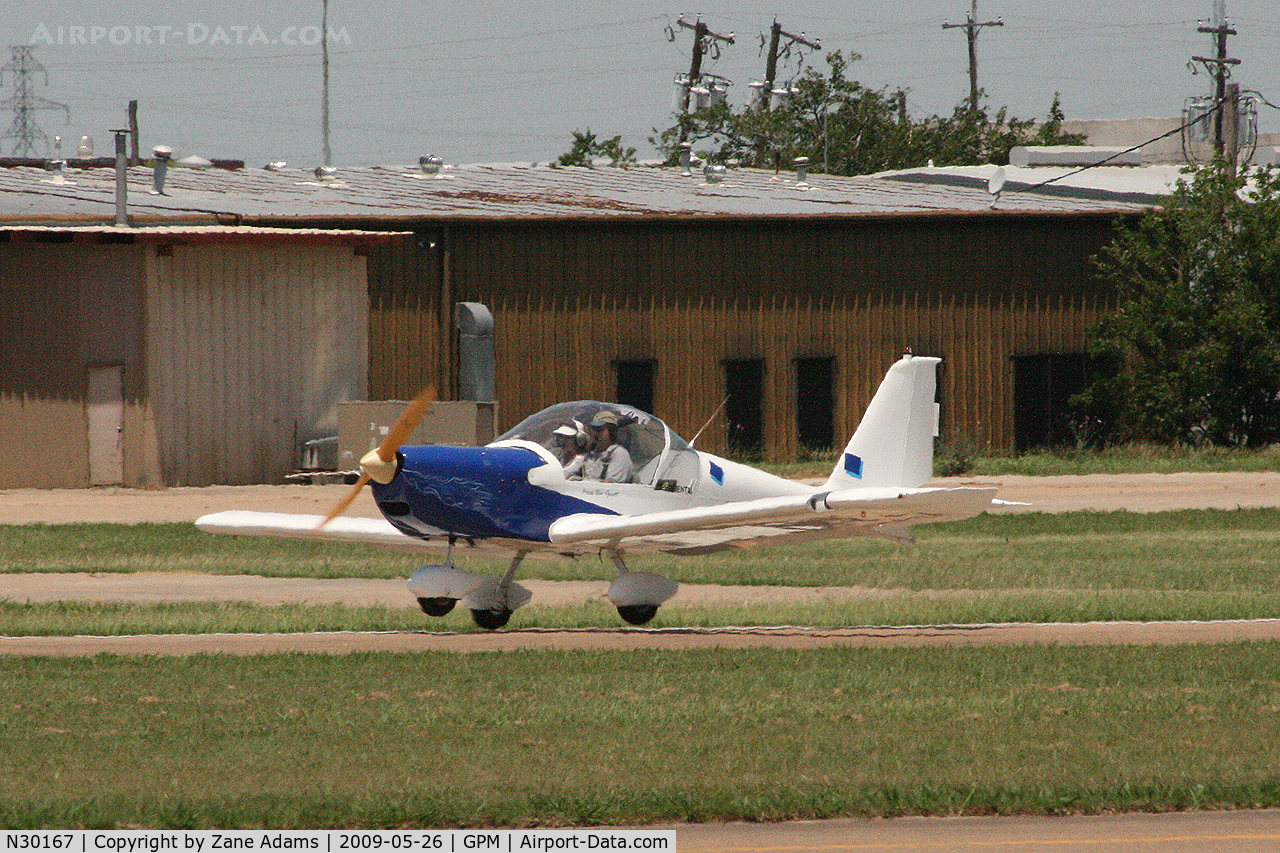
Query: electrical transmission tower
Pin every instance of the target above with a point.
(24, 131)
(972, 26)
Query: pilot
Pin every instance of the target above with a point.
(607, 460)
(572, 441)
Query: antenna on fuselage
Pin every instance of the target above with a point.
(724, 403)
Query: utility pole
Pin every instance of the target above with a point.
(1219, 66)
(704, 40)
(24, 103)
(1231, 128)
(972, 26)
(324, 93)
(776, 34)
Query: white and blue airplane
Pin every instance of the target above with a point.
(514, 496)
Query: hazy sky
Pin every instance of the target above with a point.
(492, 83)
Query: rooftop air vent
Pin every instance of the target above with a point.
(163, 154)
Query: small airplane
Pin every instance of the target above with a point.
(535, 490)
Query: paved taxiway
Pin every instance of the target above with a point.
(1182, 832)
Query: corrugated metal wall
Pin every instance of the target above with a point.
(408, 349)
(66, 308)
(252, 348)
(570, 297)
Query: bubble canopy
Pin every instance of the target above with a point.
(655, 448)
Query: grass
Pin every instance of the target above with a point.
(72, 618)
(584, 738)
(1204, 550)
(1190, 564)
(1124, 459)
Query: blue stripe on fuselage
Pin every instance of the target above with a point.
(476, 492)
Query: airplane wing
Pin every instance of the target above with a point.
(836, 514)
(368, 531)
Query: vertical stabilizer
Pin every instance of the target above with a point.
(893, 446)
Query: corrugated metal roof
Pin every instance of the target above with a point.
(511, 191)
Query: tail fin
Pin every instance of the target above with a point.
(893, 446)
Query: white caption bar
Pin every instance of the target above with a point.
(336, 841)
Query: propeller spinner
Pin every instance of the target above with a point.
(379, 464)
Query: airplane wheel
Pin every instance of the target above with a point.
(638, 614)
(436, 606)
(491, 620)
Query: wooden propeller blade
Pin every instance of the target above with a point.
(406, 424)
(345, 502)
(396, 436)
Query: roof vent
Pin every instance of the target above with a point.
(802, 172)
(55, 167)
(276, 166)
(325, 173)
(713, 172)
(686, 158)
(163, 154)
(430, 165)
(85, 148)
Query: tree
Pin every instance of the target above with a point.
(1197, 328)
(848, 129)
(586, 148)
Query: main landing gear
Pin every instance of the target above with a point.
(491, 600)
(638, 595)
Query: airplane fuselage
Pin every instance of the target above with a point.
(516, 489)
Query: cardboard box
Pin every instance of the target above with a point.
(362, 426)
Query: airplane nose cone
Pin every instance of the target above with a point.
(379, 470)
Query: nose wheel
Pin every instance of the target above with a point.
(491, 619)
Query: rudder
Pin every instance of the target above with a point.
(893, 445)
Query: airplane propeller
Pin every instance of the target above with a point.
(379, 464)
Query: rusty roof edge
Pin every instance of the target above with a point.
(417, 221)
(198, 235)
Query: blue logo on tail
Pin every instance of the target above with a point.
(717, 473)
(853, 465)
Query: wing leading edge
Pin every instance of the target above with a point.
(835, 514)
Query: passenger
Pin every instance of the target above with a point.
(607, 460)
(572, 441)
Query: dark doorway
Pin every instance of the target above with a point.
(635, 383)
(815, 403)
(744, 412)
(1043, 385)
